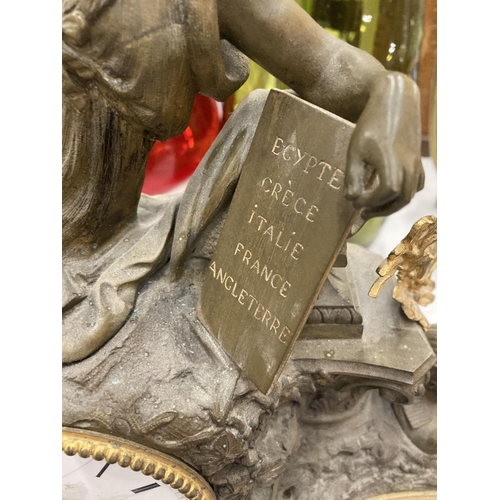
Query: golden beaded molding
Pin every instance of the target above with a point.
(139, 458)
(407, 495)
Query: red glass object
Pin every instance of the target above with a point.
(173, 161)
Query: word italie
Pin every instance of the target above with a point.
(277, 237)
(287, 222)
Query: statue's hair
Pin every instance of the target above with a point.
(78, 70)
(90, 8)
(92, 130)
(77, 16)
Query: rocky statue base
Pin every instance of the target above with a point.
(323, 432)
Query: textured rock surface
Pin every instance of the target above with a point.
(162, 380)
(366, 453)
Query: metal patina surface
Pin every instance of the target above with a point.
(336, 313)
(164, 382)
(130, 74)
(137, 363)
(287, 223)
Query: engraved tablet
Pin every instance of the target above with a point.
(286, 224)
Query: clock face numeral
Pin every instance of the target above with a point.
(101, 472)
(146, 488)
(88, 479)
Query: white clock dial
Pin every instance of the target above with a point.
(89, 479)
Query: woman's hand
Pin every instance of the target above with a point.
(386, 141)
(349, 82)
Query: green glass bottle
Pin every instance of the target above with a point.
(390, 30)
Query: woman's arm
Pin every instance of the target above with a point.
(330, 73)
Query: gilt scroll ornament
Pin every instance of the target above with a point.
(414, 260)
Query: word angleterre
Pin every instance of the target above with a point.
(245, 298)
